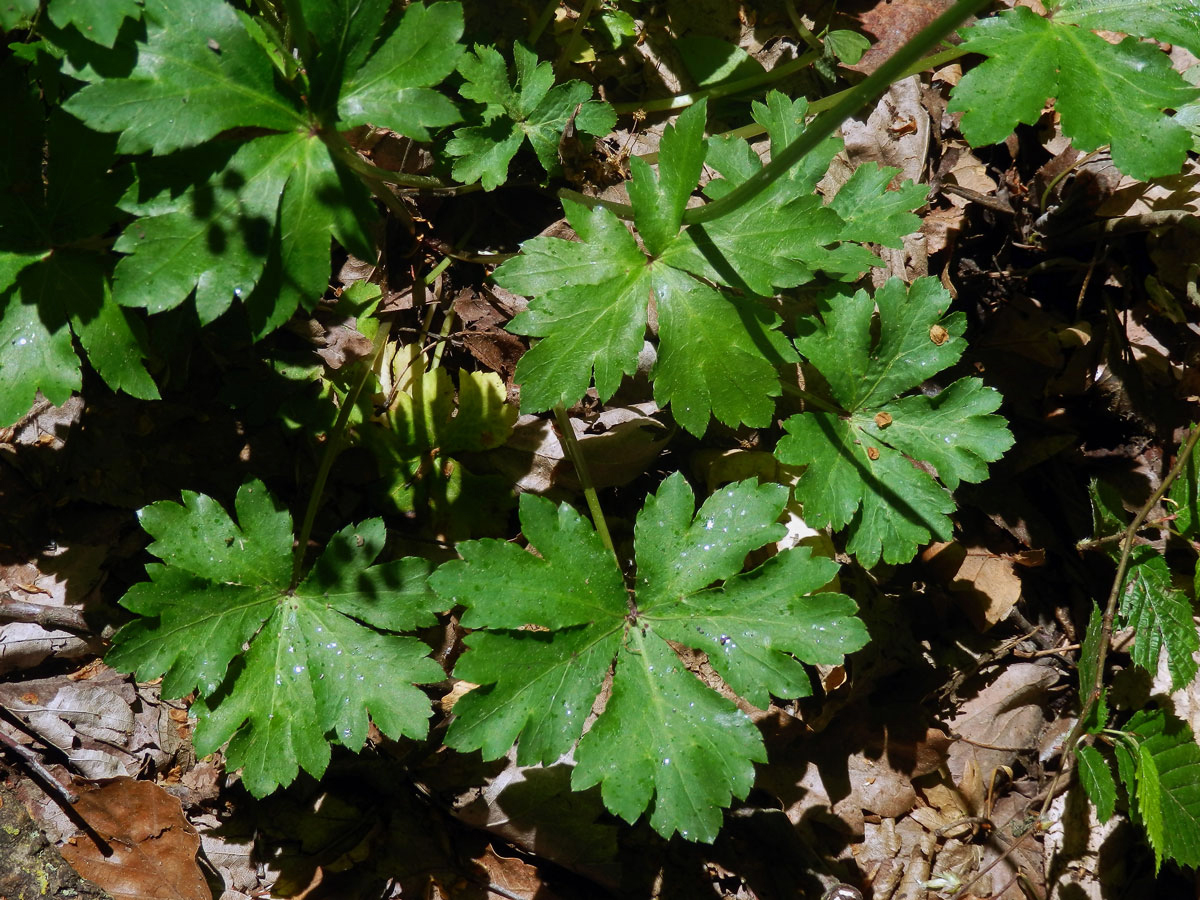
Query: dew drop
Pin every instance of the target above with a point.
(667, 761)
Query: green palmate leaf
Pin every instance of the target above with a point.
(873, 213)
(341, 34)
(535, 109)
(392, 88)
(663, 737)
(1161, 617)
(1173, 21)
(15, 12)
(1107, 94)
(97, 20)
(660, 198)
(198, 73)
(48, 291)
(36, 355)
(780, 238)
(590, 297)
(592, 309)
(113, 338)
(861, 462)
(1166, 778)
(690, 313)
(1096, 776)
(265, 217)
(320, 655)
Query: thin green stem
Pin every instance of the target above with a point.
(346, 154)
(620, 210)
(812, 399)
(540, 23)
(573, 38)
(575, 454)
(801, 29)
(443, 338)
(830, 120)
(333, 446)
(681, 101)
(1110, 609)
(818, 106)
(437, 270)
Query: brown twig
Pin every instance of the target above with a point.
(50, 617)
(41, 774)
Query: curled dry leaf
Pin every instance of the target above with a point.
(152, 846)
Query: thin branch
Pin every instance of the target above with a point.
(52, 617)
(575, 454)
(41, 774)
(828, 122)
(1110, 609)
(333, 446)
(682, 101)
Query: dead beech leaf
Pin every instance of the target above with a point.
(893, 25)
(1007, 716)
(864, 762)
(984, 584)
(153, 846)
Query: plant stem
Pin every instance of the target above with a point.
(620, 210)
(575, 454)
(801, 29)
(829, 121)
(680, 101)
(932, 61)
(543, 19)
(333, 446)
(812, 399)
(1110, 609)
(342, 150)
(584, 14)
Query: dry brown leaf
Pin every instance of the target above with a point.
(985, 584)
(1008, 716)
(894, 24)
(153, 846)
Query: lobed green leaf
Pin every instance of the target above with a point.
(1117, 94)
(198, 73)
(315, 664)
(860, 462)
(554, 623)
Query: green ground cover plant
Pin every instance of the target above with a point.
(177, 167)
